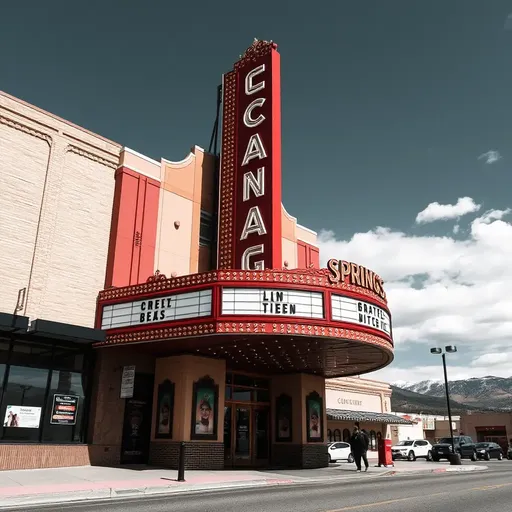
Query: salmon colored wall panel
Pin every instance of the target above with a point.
(314, 256)
(149, 230)
(302, 254)
(123, 224)
(134, 226)
(307, 255)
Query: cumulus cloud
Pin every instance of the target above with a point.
(490, 157)
(435, 211)
(443, 290)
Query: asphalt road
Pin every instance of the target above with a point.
(489, 491)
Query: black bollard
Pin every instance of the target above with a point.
(181, 463)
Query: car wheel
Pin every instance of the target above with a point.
(500, 456)
(350, 458)
(429, 456)
(330, 460)
(487, 456)
(474, 458)
(411, 457)
(435, 459)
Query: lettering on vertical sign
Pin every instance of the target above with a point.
(253, 168)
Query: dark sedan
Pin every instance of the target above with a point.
(488, 451)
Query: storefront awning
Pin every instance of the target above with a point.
(66, 332)
(13, 323)
(375, 417)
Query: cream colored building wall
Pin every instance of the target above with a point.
(306, 235)
(187, 189)
(356, 394)
(140, 163)
(57, 185)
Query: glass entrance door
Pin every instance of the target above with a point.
(261, 437)
(246, 421)
(242, 438)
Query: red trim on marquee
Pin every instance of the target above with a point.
(317, 282)
(133, 232)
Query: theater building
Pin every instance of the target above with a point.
(191, 308)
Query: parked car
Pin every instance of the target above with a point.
(509, 453)
(412, 450)
(464, 446)
(339, 451)
(488, 451)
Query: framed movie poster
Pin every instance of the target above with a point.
(314, 412)
(284, 419)
(205, 409)
(165, 410)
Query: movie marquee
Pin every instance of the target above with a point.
(228, 310)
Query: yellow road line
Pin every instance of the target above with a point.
(398, 500)
(380, 503)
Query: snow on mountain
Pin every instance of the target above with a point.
(486, 391)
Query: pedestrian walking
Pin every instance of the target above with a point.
(366, 444)
(359, 442)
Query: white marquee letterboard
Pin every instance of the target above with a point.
(272, 302)
(346, 309)
(178, 306)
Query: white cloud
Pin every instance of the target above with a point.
(436, 211)
(441, 291)
(456, 229)
(490, 157)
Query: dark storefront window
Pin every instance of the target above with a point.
(206, 229)
(42, 392)
(373, 440)
(245, 388)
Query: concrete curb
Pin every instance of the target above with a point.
(170, 490)
(129, 492)
(449, 469)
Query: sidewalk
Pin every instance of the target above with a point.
(59, 485)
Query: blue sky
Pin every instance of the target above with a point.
(387, 107)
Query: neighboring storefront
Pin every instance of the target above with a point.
(492, 427)
(352, 400)
(45, 379)
(425, 426)
(210, 329)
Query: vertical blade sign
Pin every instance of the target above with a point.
(250, 168)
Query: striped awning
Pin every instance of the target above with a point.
(375, 417)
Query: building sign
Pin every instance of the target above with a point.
(250, 169)
(178, 306)
(272, 302)
(341, 271)
(343, 399)
(22, 416)
(127, 382)
(64, 409)
(346, 309)
(349, 401)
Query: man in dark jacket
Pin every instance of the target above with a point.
(359, 442)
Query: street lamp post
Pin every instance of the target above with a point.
(450, 349)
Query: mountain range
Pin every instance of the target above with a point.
(476, 394)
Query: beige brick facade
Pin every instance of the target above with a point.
(56, 193)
